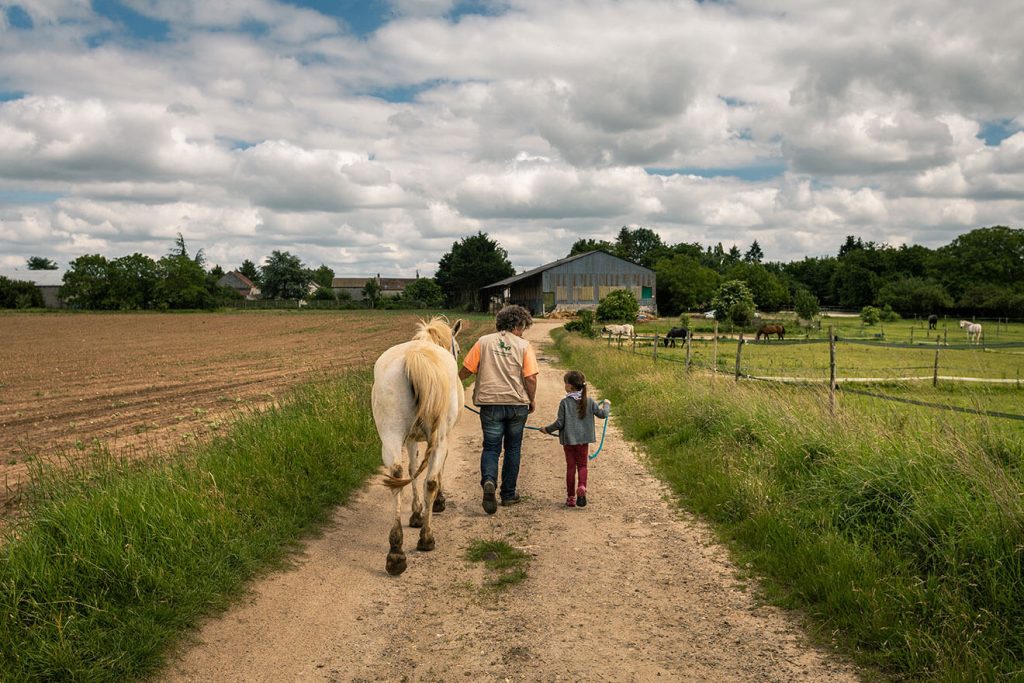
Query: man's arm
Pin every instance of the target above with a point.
(465, 372)
(531, 390)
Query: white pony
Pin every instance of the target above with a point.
(417, 396)
(618, 330)
(973, 330)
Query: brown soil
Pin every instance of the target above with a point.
(142, 384)
(626, 589)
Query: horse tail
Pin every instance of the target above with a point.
(393, 482)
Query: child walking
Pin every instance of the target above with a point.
(575, 427)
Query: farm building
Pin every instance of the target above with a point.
(576, 282)
(389, 286)
(48, 282)
(240, 283)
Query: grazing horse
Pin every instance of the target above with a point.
(618, 330)
(933, 321)
(973, 330)
(417, 396)
(675, 333)
(768, 330)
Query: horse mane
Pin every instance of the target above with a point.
(435, 330)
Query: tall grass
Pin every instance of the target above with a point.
(899, 532)
(114, 564)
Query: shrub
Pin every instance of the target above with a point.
(870, 315)
(584, 324)
(735, 302)
(619, 306)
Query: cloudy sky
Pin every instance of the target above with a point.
(371, 135)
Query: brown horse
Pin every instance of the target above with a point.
(768, 330)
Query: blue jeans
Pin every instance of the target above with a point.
(502, 423)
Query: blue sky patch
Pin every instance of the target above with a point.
(994, 132)
(363, 17)
(136, 25)
(403, 93)
(29, 197)
(11, 95)
(18, 18)
(752, 173)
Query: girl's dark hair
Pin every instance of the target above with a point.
(576, 380)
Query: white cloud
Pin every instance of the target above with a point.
(266, 125)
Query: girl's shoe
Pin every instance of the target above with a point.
(581, 497)
(570, 502)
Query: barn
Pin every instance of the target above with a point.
(577, 282)
(48, 282)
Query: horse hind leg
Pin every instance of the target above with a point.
(395, 563)
(440, 502)
(416, 516)
(431, 490)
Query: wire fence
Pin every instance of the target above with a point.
(725, 355)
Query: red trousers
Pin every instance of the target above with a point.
(576, 457)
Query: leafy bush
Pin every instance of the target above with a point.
(888, 315)
(735, 302)
(19, 294)
(584, 324)
(619, 306)
(805, 304)
(870, 315)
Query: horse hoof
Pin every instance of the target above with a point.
(395, 564)
(439, 505)
(415, 520)
(425, 544)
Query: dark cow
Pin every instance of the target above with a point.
(933, 321)
(673, 334)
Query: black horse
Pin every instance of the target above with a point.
(675, 333)
(933, 321)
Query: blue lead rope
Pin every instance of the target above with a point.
(604, 430)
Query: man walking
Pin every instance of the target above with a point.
(506, 370)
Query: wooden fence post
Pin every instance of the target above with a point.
(944, 333)
(935, 370)
(911, 335)
(739, 354)
(655, 352)
(714, 357)
(688, 336)
(831, 371)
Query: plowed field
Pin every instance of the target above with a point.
(144, 383)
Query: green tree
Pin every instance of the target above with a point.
(619, 306)
(684, 284)
(40, 263)
(640, 245)
(582, 246)
(251, 271)
(993, 256)
(472, 264)
(19, 294)
(769, 293)
(284, 277)
(132, 282)
(371, 292)
(323, 276)
(754, 254)
(734, 302)
(915, 295)
(86, 283)
(805, 303)
(181, 283)
(424, 293)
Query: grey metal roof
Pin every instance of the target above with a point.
(41, 278)
(553, 264)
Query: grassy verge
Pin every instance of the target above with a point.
(900, 533)
(112, 566)
(506, 563)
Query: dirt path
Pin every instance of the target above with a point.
(626, 589)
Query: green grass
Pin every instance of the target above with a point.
(897, 531)
(507, 565)
(117, 561)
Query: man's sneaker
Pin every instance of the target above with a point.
(490, 504)
(570, 502)
(511, 500)
(581, 497)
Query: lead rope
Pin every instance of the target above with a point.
(604, 430)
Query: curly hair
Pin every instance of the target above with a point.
(512, 318)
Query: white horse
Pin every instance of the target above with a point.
(417, 396)
(973, 330)
(618, 330)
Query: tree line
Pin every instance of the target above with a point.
(980, 273)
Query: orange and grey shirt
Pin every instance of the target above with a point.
(501, 361)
